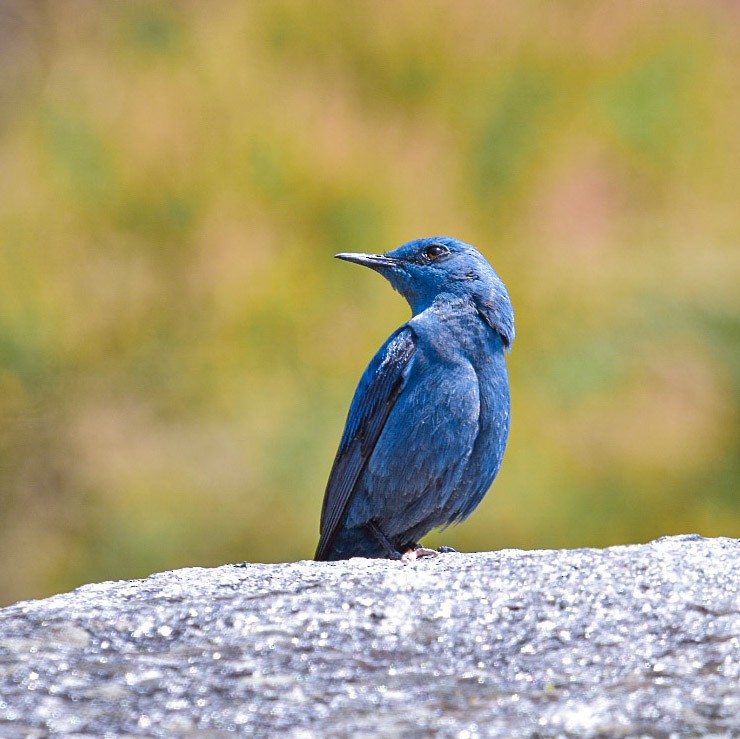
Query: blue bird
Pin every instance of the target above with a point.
(428, 425)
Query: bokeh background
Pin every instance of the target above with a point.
(178, 348)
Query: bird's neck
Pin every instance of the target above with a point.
(445, 305)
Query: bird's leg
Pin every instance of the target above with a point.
(383, 540)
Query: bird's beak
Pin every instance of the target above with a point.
(374, 261)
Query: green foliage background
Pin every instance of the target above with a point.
(178, 348)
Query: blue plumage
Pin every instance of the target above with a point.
(428, 425)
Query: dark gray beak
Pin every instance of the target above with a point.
(374, 261)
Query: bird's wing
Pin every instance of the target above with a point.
(379, 387)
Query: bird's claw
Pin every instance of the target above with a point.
(412, 555)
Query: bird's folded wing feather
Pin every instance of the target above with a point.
(374, 399)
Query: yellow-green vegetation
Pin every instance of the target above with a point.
(178, 348)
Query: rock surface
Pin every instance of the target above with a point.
(627, 641)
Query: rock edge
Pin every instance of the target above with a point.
(625, 641)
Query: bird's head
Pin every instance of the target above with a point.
(433, 269)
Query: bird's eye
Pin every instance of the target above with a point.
(435, 251)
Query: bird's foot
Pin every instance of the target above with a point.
(447, 550)
(411, 555)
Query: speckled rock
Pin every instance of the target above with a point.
(627, 641)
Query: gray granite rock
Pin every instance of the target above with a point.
(627, 641)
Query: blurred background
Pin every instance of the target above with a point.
(178, 348)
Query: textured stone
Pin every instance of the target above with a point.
(627, 641)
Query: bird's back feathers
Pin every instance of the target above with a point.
(374, 399)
